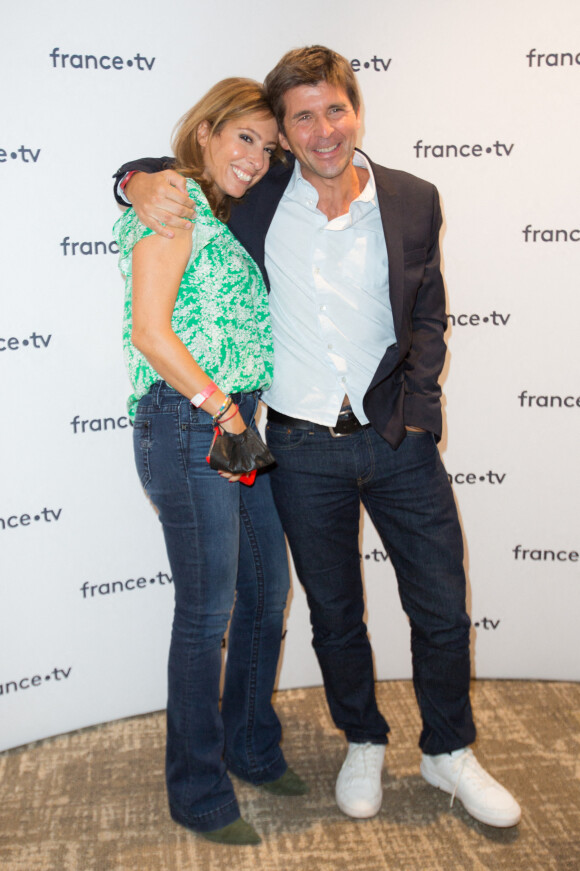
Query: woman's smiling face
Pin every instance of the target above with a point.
(239, 155)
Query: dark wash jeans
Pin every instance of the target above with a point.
(318, 485)
(224, 542)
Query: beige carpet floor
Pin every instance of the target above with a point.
(94, 800)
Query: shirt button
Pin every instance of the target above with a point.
(329, 346)
(322, 308)
(316, 270)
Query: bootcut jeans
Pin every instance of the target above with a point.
(225, 545)
(318, 484)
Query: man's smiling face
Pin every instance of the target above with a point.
(320, 129)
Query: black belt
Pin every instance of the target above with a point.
(346, 424)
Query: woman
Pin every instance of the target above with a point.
(199, 351)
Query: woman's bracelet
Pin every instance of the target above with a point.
(224, 419)
(222, 409)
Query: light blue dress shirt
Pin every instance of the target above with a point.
(329, 301)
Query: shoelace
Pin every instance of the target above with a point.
(366, 757)
(460, 768)
(468, 760)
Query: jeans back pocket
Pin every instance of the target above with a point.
(142, 448)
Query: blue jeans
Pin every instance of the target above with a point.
(225, 543)
(318, 485)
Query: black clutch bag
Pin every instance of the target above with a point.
(238, 453)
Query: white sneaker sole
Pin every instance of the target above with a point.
(359, 813)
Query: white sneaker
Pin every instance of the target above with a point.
(359, 792)
(460, 774)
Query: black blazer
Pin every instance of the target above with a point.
(404, 389)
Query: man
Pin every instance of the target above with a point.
(351, 254)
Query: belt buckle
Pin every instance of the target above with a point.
(336, 435)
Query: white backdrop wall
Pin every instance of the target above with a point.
(481, 99)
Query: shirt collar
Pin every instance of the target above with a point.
(368, 194)
(300, 189)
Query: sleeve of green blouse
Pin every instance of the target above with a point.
(127, 231)
(206, 225)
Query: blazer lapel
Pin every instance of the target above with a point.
(391, 215)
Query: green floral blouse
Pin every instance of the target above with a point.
(221, 311)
